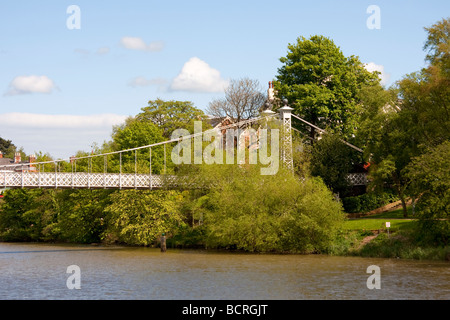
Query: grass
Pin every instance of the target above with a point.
(378, 222)
(400, 243)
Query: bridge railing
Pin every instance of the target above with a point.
(10, 178)
(40, 179)
(85, 180)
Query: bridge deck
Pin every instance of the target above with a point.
(82, 180)
(108, 180)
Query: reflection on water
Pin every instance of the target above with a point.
(38, 271)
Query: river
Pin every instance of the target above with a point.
(40, 271)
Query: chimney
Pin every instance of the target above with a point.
(32, 158)
(270, 94)
(17, 157)
(1, 155)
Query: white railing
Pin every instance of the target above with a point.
(110, 180)
(85, 180)
(357, 179)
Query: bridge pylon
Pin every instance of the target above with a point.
(286, 136)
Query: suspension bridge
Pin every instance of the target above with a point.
(20, 175)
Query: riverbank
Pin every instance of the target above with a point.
(369, 236)
(138, 218)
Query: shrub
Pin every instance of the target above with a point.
(252, 212)
(368, 201)
(351, 204)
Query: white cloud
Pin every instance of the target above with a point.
(135, 43)
(45, 121)
(86, 53)
(60, 135)
(196, 75)
(144, 82)
(102, 50)
(30, 84)
(371, 66)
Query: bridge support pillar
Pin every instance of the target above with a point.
(286, 136)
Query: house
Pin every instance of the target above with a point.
(16, 164)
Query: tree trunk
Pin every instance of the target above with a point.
(401, 195)
(405, 209)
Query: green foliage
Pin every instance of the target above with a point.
(21, 217)
(332, 160)
(351, 204)
(81, 215)
(402, 246)
(139, 217)
(246, 210)
(321, 84)
(368, 201)
(136, 133)
(438, 45)
(7, 148)
(315, 220)
(171, 115)
(397, 131)
(430, 183)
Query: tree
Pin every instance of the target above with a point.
(332, 160)
(137, 133)
(139, 217)
(397, 131)
(322, 85)
(390, 148)
(438, 45)
(426, 94)
(81, 216)
(171, 115)
(245, 210)
(6, 147)
(243, 100)
(430, 183)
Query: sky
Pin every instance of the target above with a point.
(71, 70)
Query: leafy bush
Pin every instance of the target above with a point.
(138, 217)
(367, 202)
(252, 212)
(352, 204)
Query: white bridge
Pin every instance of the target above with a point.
(109, 180)
(85, 180)
(10, 177)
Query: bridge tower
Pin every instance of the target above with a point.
(286, 136)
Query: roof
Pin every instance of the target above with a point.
(15, 166)
(215, 122)
(5, 161)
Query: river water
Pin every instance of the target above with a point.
(40, 271)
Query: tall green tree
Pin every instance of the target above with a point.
(7, 147)
(171, 115)
(136, 133)
(426, 94)
(438, 45)
(322, 84)
(430, 183)
(401, 129)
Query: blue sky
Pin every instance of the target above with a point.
(62, 89)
